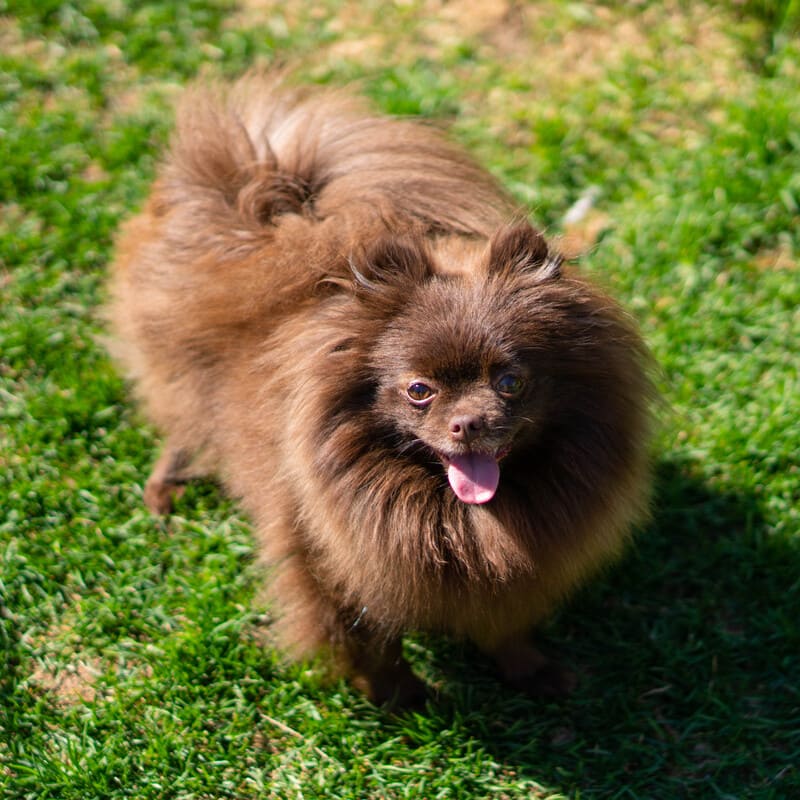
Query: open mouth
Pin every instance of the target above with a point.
(474, 476)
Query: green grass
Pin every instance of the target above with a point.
(133, 660)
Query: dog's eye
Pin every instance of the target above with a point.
(420, 394)
(509, 385)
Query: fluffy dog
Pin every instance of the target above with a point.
(433, 424)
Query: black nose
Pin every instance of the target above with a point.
(465, 427)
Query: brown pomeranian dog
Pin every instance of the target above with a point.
(433, 424)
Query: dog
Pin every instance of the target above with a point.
(432, 421)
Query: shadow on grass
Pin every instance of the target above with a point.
(688, 656)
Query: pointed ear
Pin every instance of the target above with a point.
(390, 262)
(521, 248)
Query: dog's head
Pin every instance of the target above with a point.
(464, 364)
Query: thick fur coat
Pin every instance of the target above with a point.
(431, 422)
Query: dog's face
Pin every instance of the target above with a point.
(469, 422)
(457, 379)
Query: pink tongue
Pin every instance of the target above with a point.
(474, 477)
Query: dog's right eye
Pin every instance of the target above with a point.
(420, 394)
(510, 385)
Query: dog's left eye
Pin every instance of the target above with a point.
(509, 385)
(420, 394)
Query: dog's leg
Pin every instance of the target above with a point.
(308, 624)
(526, 668)
(379, 669)
(167, 480)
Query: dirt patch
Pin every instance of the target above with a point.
(14, 44)
(362, 49)
(780, 258)
(552, 48)
(585, 54)
(69, 685)
(278, 17)
(450, 23)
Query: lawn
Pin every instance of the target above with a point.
(134, 659)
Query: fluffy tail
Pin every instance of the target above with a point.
(259, 149)
(224, 165)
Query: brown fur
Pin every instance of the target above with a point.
(298, 264)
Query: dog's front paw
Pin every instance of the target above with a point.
(396, 689)
(159, 496)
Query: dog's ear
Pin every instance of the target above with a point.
(390, 263)
(521, 248)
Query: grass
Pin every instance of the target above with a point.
(132, 655)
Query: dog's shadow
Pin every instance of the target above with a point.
(687, 654)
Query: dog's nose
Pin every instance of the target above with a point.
(465, 427)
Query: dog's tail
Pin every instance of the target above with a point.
(225, 238)
(261, 148)
(224, 166)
